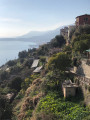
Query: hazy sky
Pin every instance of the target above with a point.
(18, 17)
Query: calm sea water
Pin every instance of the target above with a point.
(9, 49)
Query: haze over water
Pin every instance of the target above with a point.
(9, 49)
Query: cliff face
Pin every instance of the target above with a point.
(86, 69)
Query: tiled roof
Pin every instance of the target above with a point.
(83, 15)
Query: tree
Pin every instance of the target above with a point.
(16, 84)
(59, 61)
(81, 43)
(23, 54)
(80, 46)
(25, 84)
(67, 49)
(58, 41)
(5, 109)
(11, 62)
(84, 29)
(4, 75)
(43, 49)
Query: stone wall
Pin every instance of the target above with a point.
(69, 91)
(85, 84)
(84, 69)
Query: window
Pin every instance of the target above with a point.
(85, 19)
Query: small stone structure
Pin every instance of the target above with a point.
(69, 88)
(10, 96)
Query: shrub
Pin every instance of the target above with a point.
(11, 62)
(16, 84)
(4, 75)
(59, 61)
(5, 109)
(26, 83)
(23, 54)
(58, 41)
(61, 109)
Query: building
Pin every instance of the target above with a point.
(70, 29)
(82, 20)
(38, 69)
(35, 63)
(69, 88)
(64, 32)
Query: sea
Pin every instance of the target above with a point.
(9, 49)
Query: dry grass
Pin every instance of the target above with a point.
(43, 116)
(27, 104)
(37, 98)
(29, 90)
(21, 116)
(37, 82)
(30, 102)
(34, 87)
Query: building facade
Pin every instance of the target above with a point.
(64, 32)
(82, 20)
(70, 29)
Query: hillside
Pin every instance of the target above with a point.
(39, 95)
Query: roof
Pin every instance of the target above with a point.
(83, 15)
(9, 95)
(38, 69)
(69, 84)
(35, 63)
(7, 69)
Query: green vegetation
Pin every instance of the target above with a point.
(61, 109)
(5, 109)
(81, 43)
(23, 54)
(11, 62)
(39, 96)
(15, 84)
(59, 61)
(58, 41)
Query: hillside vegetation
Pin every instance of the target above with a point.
(39, 96)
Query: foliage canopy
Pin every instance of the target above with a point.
(59, 61)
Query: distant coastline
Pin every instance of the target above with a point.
(9, 49)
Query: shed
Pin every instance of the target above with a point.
(8, 69)
(35, 63)
(69, 88)
(10, 96)
(38, 69)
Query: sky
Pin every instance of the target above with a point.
(18, 17)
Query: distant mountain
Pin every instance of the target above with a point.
(33, 34)
(41, 37)
(38, 37)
